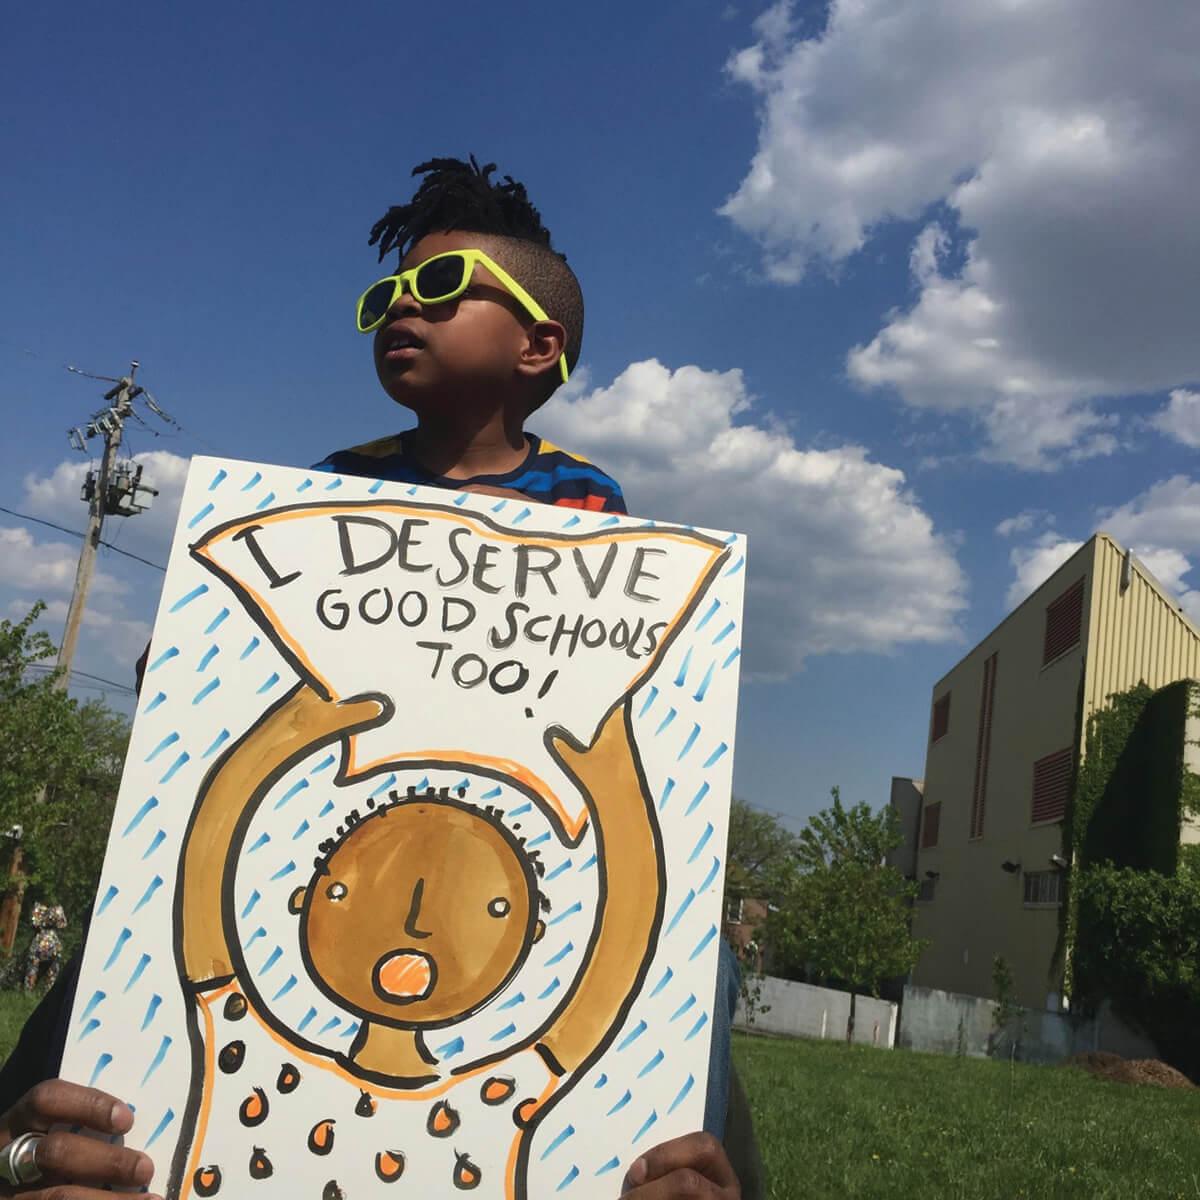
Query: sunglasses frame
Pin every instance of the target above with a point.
(471, 258)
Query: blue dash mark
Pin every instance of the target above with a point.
(137, 972)
(169, 740)
(658, 1057)
(301, 829)
(683, 907)
(507, 1031)
(697, 799)
(326, 809)
(610, 521)
(716, 754)
(665, 721)
(729, 628)
(350, 1030)
(218, 479)
(259, 932)
(569, 1178)
(537, 841)
(161, 1127)
(255, 897)
(140, 815)
(165, 656)
(383, 787)
(254, 479)
(498, 507)
(151, 1009)
(492, 794)
(323, 765)
(375, 486)
(296, 787)
(151, 888)
(708, 616)
(184, 757)
(567, 1132)
(570, 521)
(217, 743)
(632, 1036)
(194, 594)
(329, 487)
(118, 946)
(270, 683)
(201, 513)
(463, 785)
(155, 702)
(272, 959)
(109, 897)
(737, 566)
(303, 486)
(511, 1002)
(412, 491)
(97, 998)
(699, 1025)
(567, 912)
(691, 741)
(306, 1020)
(681, 678)
(702, 690)
(156, 1062)
(688, 1084)
(733, 655)
(708, 832)
(251, 646)
(101, 1063)
(520, 810)
(287, 987)
(708, 937)
(562, 866)
(668, 975)
(668, 788)
(461, 500)
(620, 1104)
(286, 869)
(451, 1048)
(264, 501)
(525, 512)
(90, 1027)
(550, 988)
(684, 1007)
(651, 696)
(216, 622)
(712, 874)
(423, 784)
(612, 1164)
(210, 686)
(260, 841)
(601, 1081)
(560, 955)
(646, 1125)
(208, 656)
(591, 862)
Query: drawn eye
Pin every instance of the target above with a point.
(336, 891)
(499, 907)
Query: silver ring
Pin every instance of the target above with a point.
(18, 1160)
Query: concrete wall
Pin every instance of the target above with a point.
(804, 1010)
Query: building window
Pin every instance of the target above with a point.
(1052, 786)
(1064, 623)
(941, 718)
(733, 910)
(1043, 887)
(983, 746)
(926, 889)
(930, 824)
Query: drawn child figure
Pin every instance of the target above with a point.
(45, 951)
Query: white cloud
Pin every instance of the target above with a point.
(1061, 140)
(1023, 522)
(45, 568)
(1180, 419)
(1035, 563)
(842, 557)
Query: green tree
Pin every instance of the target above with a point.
(761, 854)
(844, 913)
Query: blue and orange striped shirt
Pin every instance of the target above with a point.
(549, 475)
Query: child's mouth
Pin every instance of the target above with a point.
(402, 976)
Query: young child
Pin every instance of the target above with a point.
(481, 324)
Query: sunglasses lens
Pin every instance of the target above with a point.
(441, 278)
(375, 304)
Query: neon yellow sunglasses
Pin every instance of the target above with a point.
(438, 280)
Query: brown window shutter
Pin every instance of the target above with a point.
(1052, 785)
(940, 725)
(930, 824)
(1064, 623)
(983, 745)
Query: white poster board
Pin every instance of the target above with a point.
(417, 862)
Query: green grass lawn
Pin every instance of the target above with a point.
(842, 1121)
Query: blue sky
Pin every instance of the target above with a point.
(887, 286)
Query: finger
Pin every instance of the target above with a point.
(60, 1191)
(698, 1152)
(681, 1184)
(74, 1159)
(57, 1102)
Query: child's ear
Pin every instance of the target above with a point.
(544, 345)
(539, 930)
(296, 900)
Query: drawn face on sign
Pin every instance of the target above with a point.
(420, 914)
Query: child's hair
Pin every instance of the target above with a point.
(457, 195)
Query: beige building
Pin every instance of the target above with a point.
(1006, 730)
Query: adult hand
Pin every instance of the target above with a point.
(74, 1167)
(691, 1166)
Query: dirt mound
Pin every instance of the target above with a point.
(1113, 1067)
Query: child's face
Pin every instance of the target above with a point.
(428, 357)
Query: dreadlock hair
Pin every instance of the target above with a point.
(457, 195)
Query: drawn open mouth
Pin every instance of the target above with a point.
(402, 976)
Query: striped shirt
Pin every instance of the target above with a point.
(549, 475)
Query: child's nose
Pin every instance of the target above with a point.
(405, 302)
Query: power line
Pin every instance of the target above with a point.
(76, 534)
(111, 683)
